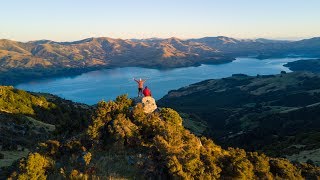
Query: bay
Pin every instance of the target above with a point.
(107, 84)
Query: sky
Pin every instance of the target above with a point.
(69, 20)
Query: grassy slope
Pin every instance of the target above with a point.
(244, 111)
(12, 156)
(27, 119)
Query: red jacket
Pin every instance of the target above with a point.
(146, 92)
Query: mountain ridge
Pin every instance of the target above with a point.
(20, 61)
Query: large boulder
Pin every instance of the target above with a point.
(148, 102)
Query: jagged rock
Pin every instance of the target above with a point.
(149, 103)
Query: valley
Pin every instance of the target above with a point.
(267, 112)
(181, 90)
(91, 87)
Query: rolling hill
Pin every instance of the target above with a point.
(26, 118)
(275, 114)
(123, 142)
(302, 65)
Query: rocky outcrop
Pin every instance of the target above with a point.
(149, 103)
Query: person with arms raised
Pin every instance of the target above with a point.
(140, 86)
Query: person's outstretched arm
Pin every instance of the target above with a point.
(135, 80)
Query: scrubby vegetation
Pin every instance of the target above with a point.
(29, 118)
(124, 142)
(65, 115)
(274, 114)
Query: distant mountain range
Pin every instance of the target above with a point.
(165, 53)
(45, 58)
(263, 48)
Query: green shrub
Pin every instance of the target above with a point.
(34, 167)
(171, 115)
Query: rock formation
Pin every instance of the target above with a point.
(149, 103)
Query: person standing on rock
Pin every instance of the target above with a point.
(140, 86)
(147, 92)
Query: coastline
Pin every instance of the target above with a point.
(14, 77)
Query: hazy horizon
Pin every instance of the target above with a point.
(72, 40)
(75, 20)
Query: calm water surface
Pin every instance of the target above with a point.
(107, 84)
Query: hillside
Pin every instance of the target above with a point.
(262, 48)
(275, 114)
(305, 65)
(21, 61)
(123, 142)
(48, 58)
(28, 118)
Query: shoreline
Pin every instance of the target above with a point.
(15, 77)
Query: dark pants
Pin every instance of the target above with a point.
(139, 92)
